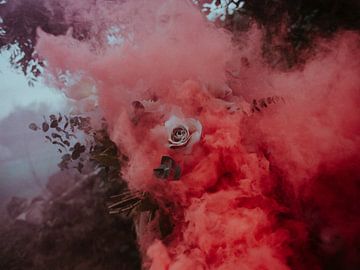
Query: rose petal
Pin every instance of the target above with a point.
(173, 122)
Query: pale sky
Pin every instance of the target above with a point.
(15, 91)
(26, 160)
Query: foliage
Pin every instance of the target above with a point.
(291, 26)
(104, 157)
(60, 131)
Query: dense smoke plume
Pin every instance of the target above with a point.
(273, 179)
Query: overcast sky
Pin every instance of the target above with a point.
(26, 160)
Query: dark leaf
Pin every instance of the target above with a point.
(75, 154)
(162, 172)
(77, 146)
(59, 143)
(168, 168)
(263, 103)
(54, 124)
(67, 143)
(45, 127)
(177, 172)
(58, 129)
(47, 137)
(82, 148)
(54, 135)
(52, 117)
(167, 161)
(74, 121)
(33, 126)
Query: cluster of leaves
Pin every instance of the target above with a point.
(20, 19)
(19, 23)
(290, 26)
(60, 131)
(99, 152)
(103, 155)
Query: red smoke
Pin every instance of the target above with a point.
(275, 189)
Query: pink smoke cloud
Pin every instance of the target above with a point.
(257, 186)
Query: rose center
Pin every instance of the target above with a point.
(179, 134)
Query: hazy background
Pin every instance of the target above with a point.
(26, 160)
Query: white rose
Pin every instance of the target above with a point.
(183, 132)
